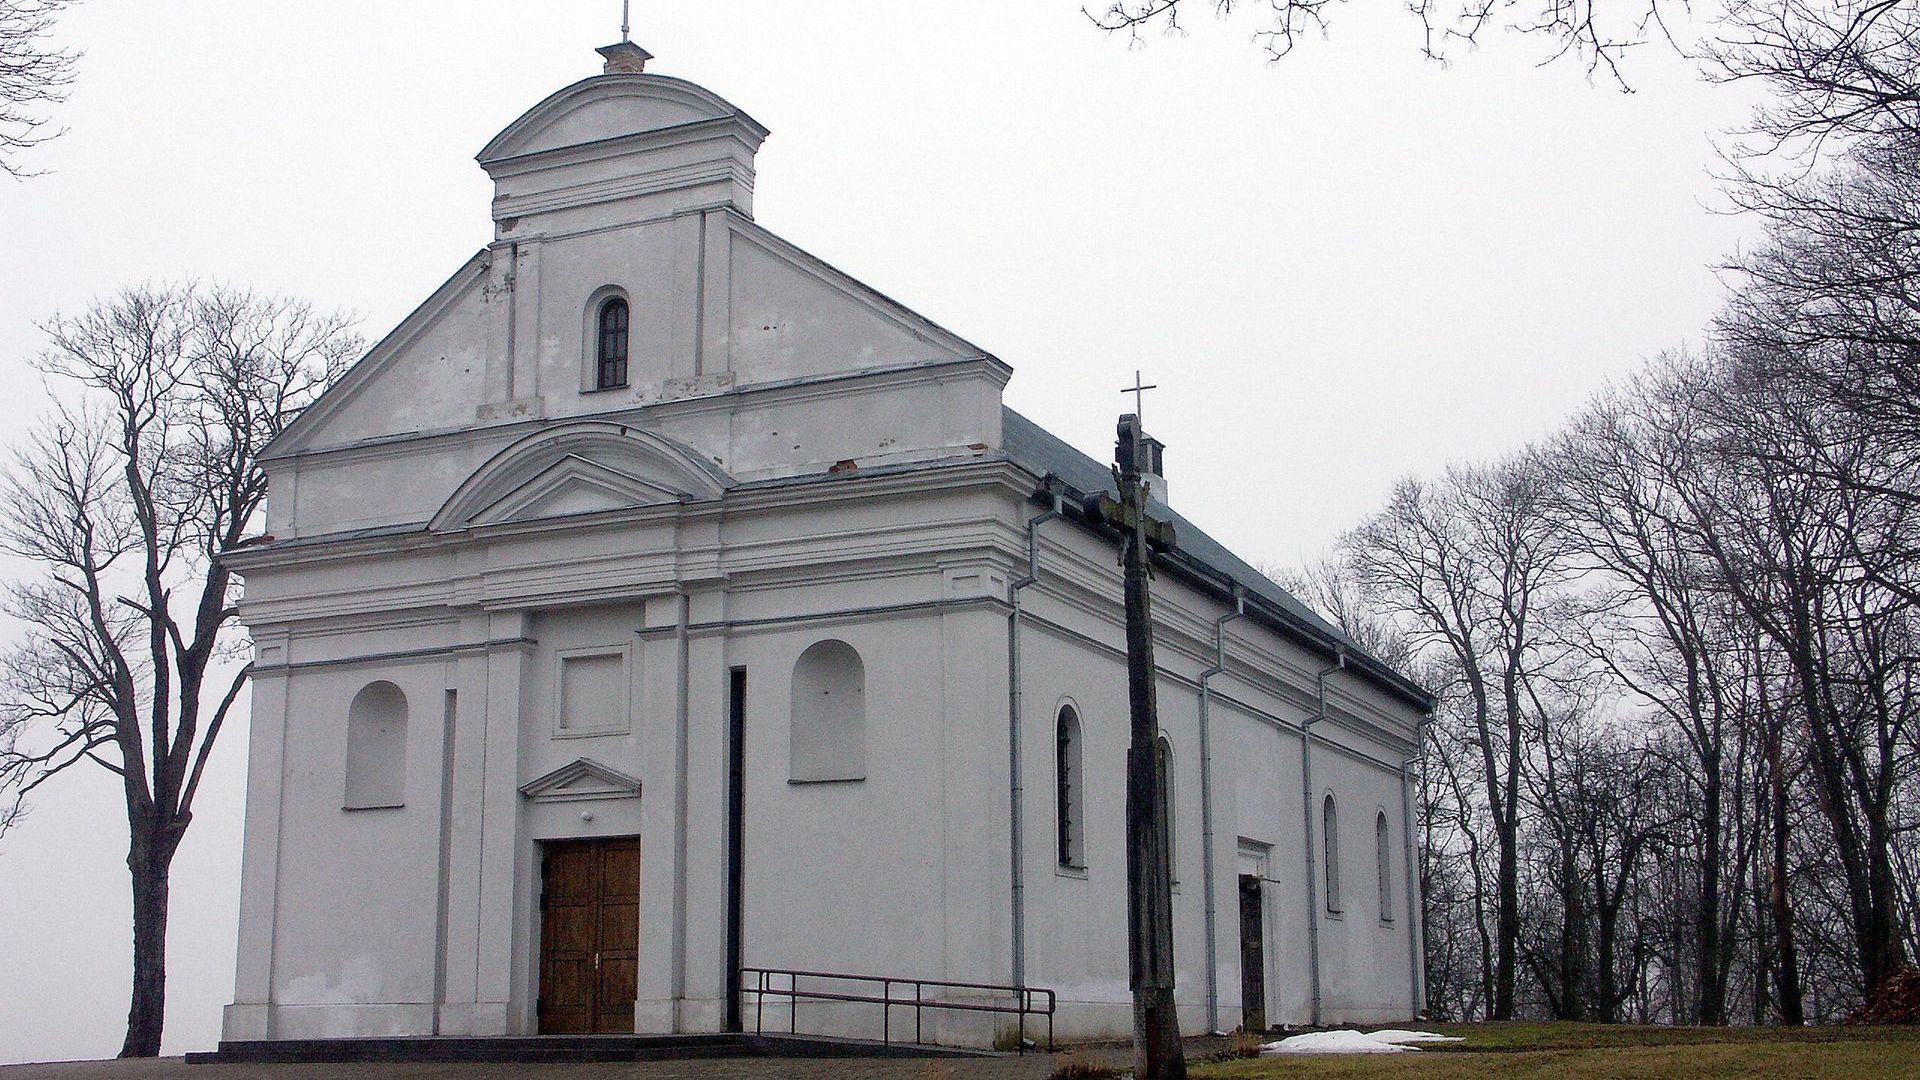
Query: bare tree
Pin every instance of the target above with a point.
(1468, 563)
(31, 75)
(142, 473)
(1330, 587)
(1595, 32)
(1781, 535)
(1836, 70)
(1661, 627)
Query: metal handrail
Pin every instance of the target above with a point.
(1027, 998)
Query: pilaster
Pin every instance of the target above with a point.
(250, 1015)
(501, 948)
(461, 934)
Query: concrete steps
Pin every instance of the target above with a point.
(565, 1048)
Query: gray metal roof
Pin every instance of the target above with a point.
(1043, 453)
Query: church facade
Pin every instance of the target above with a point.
(657, 601)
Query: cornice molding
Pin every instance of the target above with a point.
(647, 414)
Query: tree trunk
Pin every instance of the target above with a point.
(1606, 994)
(1882, 951)
(1507, 921)
(149, 861)
(1573, 946)
(1712, 1006)
(1787, 968)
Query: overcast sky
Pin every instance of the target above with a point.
(1341, 269)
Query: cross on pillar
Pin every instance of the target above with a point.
(1157, 1053)
(1138, 391)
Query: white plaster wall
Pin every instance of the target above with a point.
(1363, 957)
(353, 952)
(872, 420)
(435, 382)
(1076, 924)
(655, 265)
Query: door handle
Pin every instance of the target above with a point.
(596, 960)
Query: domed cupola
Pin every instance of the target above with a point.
(620, 147)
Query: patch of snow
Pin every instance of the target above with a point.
(1399, 1036)
(1333, 1042)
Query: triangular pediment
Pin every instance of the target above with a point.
(583, 467)
(579, 780)
(575, 485)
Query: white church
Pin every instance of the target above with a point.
(658, 611)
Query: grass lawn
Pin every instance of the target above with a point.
(1613, 1052)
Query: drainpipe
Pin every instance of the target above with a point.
(1415, 961)
(1306, 810)
(1015, 789)
(1206, 804)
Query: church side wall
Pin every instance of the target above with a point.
(1072, 647)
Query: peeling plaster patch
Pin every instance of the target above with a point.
(359, 982)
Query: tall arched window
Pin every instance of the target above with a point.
(829, 719)
(376, 747)
(1067, 789)
(1163, 761)
(610, 351)
(1383, 856)
(1330, 839)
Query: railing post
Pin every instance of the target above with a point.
(918, 987)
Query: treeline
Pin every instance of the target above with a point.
(1674, 775)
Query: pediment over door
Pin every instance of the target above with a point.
(580, 780)
(580, 468)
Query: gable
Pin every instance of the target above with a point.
(427, 374)
(791, 315)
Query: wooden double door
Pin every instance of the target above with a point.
(589, 936)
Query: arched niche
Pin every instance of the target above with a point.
(376, 747)
(829, 714)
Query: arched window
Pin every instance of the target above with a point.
(1330, 839)
(1383, 855)
(1163, 761)
(377, 747)
(1068, 786)
(829, 719)
(610, 350)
